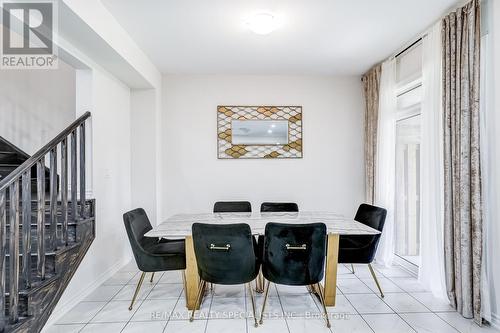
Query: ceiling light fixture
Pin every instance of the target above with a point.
(262, 23)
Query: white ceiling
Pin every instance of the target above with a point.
(326, 37)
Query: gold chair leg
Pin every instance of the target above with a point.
(259, 282)
(253, 304)
(376, 280)
(152, 276)
(139, 284)
(352, 268)
(264, 304)
(201, 289)
(322, 298)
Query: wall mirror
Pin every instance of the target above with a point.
(259, 132)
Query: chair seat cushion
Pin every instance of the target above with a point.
(355, 241)
(167, 247)
(357, 249)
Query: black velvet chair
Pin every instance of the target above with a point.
(294, 255)
(361, 249)
(232, 207)
(272, 207)
(151, 254)
(279, 207)
(225, 254)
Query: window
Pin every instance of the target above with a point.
(407, 206)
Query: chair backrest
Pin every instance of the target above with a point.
(279, 207)
(137, 224)
(232, 207)
(294, 254)
(371, 216)
(225, 253)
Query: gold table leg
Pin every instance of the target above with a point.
(191, 277)
(332, 255)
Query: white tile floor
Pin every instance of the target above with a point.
(406, 307)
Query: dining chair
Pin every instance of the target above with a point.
(279, 207)
(361, 249)
(151, 254)
(294, 255)
(232, 207)
(272, 207)
(225, 254)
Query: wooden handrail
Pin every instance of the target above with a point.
(30, 162)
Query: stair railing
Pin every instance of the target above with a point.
(18, 183)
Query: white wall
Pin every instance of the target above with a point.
(328, 177)
(110, 134)
(35, 105)
(117, 112)
(143, 148)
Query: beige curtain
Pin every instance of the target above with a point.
(462, 179)
(371, 85)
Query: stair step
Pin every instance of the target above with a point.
(36, 284)
(11, 157)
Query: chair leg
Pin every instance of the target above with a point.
(352, 268)
(152, 276)
(322, 298)
(376, 280)
(253, 304)
(139, 284)
(201, 289)
(264, 303)
(259, 282)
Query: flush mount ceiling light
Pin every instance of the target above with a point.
(262, 23)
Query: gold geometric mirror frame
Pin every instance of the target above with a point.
(227, 113)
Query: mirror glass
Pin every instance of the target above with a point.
(260, 132)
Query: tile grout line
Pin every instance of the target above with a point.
(355, 309)
(109, 301)
(246, 304)
(340, 292)
(175, 306)
(409, 294)
(282, 308)
(143, 300)
(407, 323)
(208, 314)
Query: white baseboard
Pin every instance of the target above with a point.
(63, 308)
(407, 266)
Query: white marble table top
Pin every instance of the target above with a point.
(179, 226)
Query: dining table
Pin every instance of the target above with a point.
(179, 226)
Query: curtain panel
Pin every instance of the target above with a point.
(462, 177)
(385, 165)
(371, 86)
(431, 272)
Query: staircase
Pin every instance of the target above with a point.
(46, 226)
